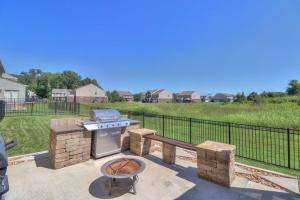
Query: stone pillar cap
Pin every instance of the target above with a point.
(142, 131)
(216, 146)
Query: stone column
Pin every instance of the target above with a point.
(169, 153)
(139, 145)
(125, 137)
(216, 162)
(69, 143)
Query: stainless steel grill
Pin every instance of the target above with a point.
(106, 125)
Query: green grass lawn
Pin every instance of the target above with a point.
(286, 114)
(31, 132)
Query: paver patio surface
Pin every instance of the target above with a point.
(36, 181)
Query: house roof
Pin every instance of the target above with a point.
(9, 77)
(87, 85)
(124, 93)
(12, 81)
(55, 90)
(186, 93)
(226, 94)
(156, 91)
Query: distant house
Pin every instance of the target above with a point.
(158, 96)
(188, 96)
(206, 98)
(31, 96)
(10, 89)
(224, 97)
(126, 95)
(88, 93)
(60, 94)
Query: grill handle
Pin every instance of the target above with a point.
(10, 144)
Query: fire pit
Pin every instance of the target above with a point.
(123, 168)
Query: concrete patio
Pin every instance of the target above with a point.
(36, 181)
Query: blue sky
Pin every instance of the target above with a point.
(209, 46)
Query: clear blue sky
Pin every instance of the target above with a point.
(209, 46)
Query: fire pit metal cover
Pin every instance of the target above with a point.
(123, 168)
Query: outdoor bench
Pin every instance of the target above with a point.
(169, 147)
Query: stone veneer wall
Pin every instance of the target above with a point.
(125, 137)
(139, 145)
(69, 143)
(216, 162)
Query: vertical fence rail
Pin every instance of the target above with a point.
(289, 147)
(276, 146)
(20, 107)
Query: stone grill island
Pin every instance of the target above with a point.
(69, 142)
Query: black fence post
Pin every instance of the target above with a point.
(289, 148)
(31, 108)
(143, 119)
(55, 107)
(190, 130)
(78, 110)
(163, 125)
(229, 132)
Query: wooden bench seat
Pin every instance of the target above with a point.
(169, 141)
(169, 147)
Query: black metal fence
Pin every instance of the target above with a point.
(276, 146)
(20, 107)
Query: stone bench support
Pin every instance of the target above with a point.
(138, 144)
(169, 153)
(215, 162)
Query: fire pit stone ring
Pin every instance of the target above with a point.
(123, 168)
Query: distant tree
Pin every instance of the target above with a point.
(43, 88)
(252, 96)
(2, 70)
(87, 81)
(294, 88)
(70, 79)
(137, 97)
(56, 81)
(273, 94)
(42, 83)
(240, 97)
(113, 96)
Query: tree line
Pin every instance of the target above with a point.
(292, 90)
(42, 83)
(113, 96)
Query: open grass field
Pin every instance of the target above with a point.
(285, 115)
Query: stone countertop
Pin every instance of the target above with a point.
(67, 129)
(142, 131)
(216, 146)
(66, 125)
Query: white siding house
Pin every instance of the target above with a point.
(224, 97)
(11, 90)
(158, 96)
(188, 96)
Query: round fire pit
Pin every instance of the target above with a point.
(123, 168)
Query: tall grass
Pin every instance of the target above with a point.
(285, 115)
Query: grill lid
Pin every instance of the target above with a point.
(105, 115)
